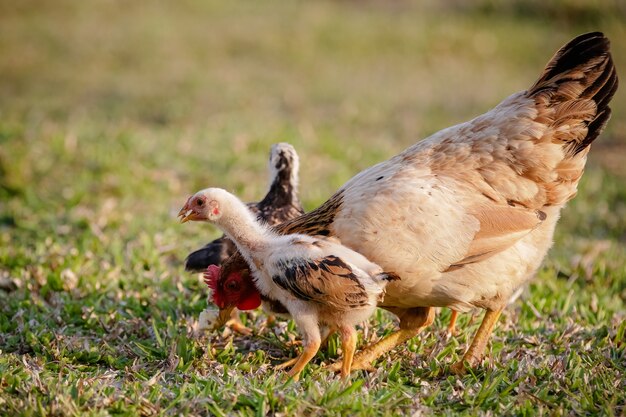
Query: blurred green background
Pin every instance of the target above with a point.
(138, 99)
(112, 112)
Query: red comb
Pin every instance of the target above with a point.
(211, 275)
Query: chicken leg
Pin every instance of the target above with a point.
(310, 349)
(287, 363)
(452, 324)
(412, 322)
(236, 325)
(475, 352)
(348, 344)
(326, 332)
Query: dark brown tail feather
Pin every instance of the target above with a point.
(582, 67)
(389, 276)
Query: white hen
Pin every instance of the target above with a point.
(466, 216)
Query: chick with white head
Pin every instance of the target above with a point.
(319, 281)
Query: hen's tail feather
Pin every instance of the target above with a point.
(389, 276)
(214, 253)
(581, 71)
(594, 128)
(578, 51)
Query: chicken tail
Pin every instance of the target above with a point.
(388, 276)
(572, 102)
(575, 90)
(213, 253)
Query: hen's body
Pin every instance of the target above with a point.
(466, 216)
(454, 202)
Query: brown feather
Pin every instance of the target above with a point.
(500, 228)
(327, 281)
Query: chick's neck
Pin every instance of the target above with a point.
(250, 236)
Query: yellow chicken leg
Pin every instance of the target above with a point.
(412, 321)
(348, 344)
(326, 332)
(452, 324)
(475, 352)
(270, 321)
(310, 349)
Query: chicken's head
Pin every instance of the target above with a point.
(205, 205)
(235, 290)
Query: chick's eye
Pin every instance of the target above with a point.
(232, 285)
(199, 202)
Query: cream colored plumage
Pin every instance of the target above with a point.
(466, 216)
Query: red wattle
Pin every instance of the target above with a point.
(251, 302)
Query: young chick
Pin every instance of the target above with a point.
(319, 281)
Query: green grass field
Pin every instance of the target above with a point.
(112, 113)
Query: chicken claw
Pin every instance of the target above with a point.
(287, 363)
(310, 349)
(363, 360)
(237, 326)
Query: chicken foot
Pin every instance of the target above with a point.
(326, 332)
(412, 322)
(476, 349)
(310, 350)
(287, 363)
(236, 325)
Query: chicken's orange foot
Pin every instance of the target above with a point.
(287, 364)
(310, 349)
(475, 352)
(270, 321)
(293, 343)
(412, 321)
(363, 360)
(237, 326)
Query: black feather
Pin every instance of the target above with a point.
(586, 59)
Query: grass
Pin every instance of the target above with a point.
(111, 113)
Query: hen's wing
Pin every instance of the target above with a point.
(328, 281)
(499, 229)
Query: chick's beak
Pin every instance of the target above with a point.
(187, 213)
